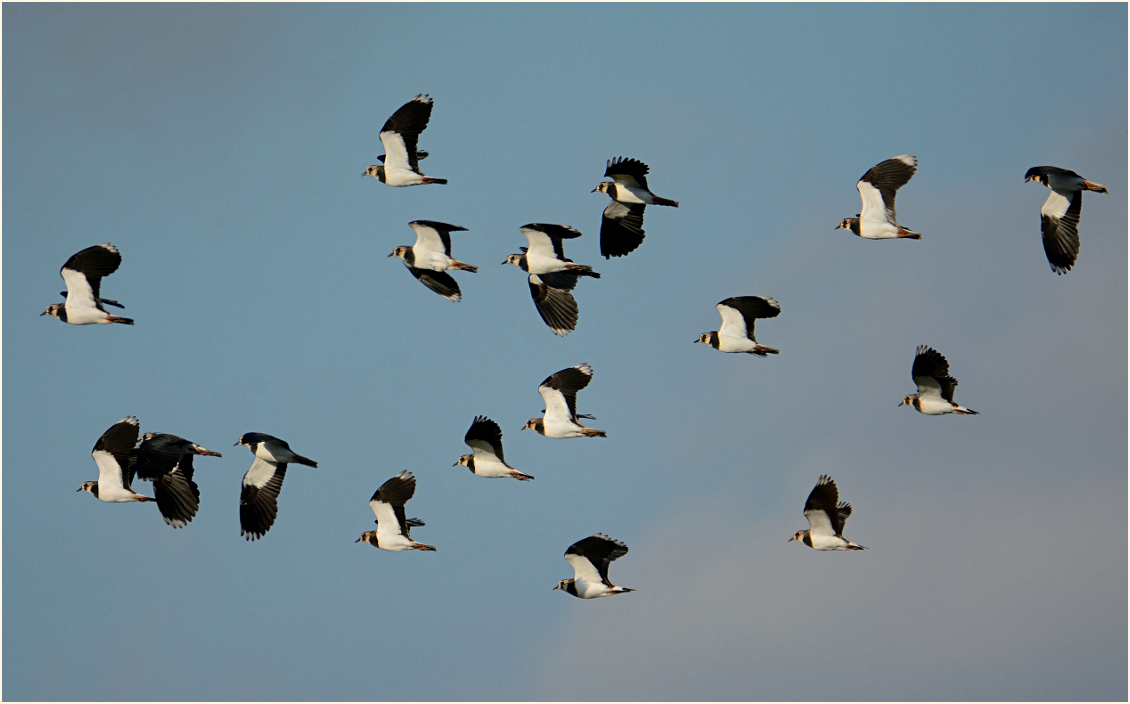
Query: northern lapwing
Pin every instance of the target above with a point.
(930, 372)
(400, 165)
(825, 519)
(111, 453)
(392, 527)
(484, 437)
(552, 295)
(430, 257)
(166, 460)
(621, 226)
(1059, 216)
(559, 391)
(590, 559)
(877, 190)
(83, 274)
(738, 316)
(258, 500)
(546, 253)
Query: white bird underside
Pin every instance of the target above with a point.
(821, 533)
(559, 422)
(82, 309)
(487, 463)
(111, 484)
(389, 535)
(586, 579)
(542, 256)
(733, 335)
(875, 223)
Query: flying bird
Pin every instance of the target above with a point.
(112, 455)
(166, 460)
(825, 519)
(258, 500)
(392, 527)
(546, 253)
(1059, 216)
(621, 227)
(400, 163)
(559, 391)
(877, 189)
(590, 559)
(738, 316)
(930, 372)
(484, 437)
(83, 274)
(430, 257)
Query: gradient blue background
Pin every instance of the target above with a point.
(220, 148)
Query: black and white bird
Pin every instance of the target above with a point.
(552, 295)
(825, 519)
(112, 455)
(430, 257)
(83, 274)
(400, 165)
(392, 527)
(930, 372)
(166, 460)
(484, 437)
(559, 391)
(738, 316)
(258, 500)
(621, 228)
(877, 189)
(1059, 216)
(546, 253)
(590, 559)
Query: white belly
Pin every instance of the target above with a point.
(934, 406)
(628, 194)
(430, 260)
(490, 467)
(828, 542)
(729, 343)
(877, 230)
(591, 590)
(402, 177)
(84, 315)
(113, 495)
(561, 429)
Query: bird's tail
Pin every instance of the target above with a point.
(456, 264)
(762, 350)
(909, 234)
(1097, 187)
(429, 179)
(139, 497)
(590, 433)
(664, 201)
(116, 319)
(965, 411)
(521, 477)
(853, 546)
(581, 270)
(421, 546)
(305, 460)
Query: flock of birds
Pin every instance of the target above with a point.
(166, 460)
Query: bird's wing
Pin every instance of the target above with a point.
(485, 438)
(1059, 224)
(821, 509)
(556, 306)
(621, 229)
(546, 239)
(434, 236)
(112, 453)
(401, 132)
(566, 280)
(627, 172)
(258, 499)
(83, 273)
(748, 309)
(594, 553)
(177, 496)
(559, 391)
(388, 504)
(878, 186)
(930, 372)
(438, 281)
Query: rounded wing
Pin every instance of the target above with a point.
(621, 229)
(930, 372)
(401, 132)
(556, 306)
(878, 186)
(485, 437)
(434, 236)
(591, 556)
(1059, 226)
(628, 172)
(258, 499)
(83, 274)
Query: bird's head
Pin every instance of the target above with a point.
(603, 187)
(53, 310)
(369, 536)
(704, 338)
(563, 585)
(399, 252)
(537, 424)
(376, 171)
(89, 487)
(246, 442)
(465, 461)
(799, 535)
(515, 259)
(909, 400)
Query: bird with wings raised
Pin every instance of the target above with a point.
(738, 316)
(877, 189)
(484, 437)
(430, 257)
(166, 460)
(112, 455)
(400, 165)
(621, 225)
(590, 558)
(930, 372)
(560, 419)
(826, 515)
(83, 274)
(392, 526)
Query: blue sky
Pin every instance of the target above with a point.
(220, 149)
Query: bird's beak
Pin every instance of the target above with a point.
(791, 539)
(696, 339)
(903, 403)
(357, 541)
(364, 173)
(455, 465)
(45, 312)
(523, 427)
(79, 489)
(555, 588)
(393, 254)
(592, 191)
